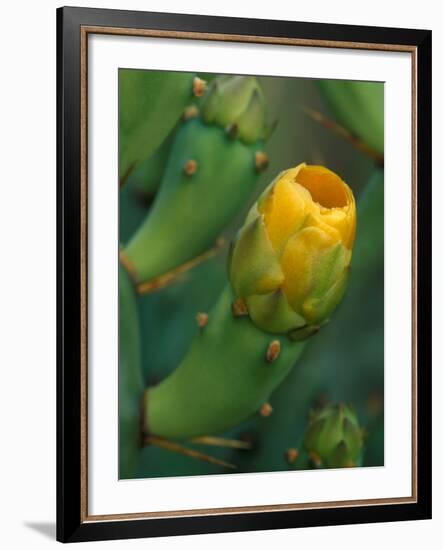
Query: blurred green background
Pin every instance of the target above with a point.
(344, 361)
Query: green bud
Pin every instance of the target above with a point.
(237, 104)
(334, 437)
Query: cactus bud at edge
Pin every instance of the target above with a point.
(334, 437)
(237, 104)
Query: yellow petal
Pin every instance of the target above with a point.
(315, 219)
(344, 222)
(285, 208)
(336, 204)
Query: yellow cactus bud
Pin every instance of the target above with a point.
(290, 260)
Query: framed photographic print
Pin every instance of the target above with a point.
(244, 274)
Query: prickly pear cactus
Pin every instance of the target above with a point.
(246, 365)
(146, 178)
(130, 381)
(212, 168)
(206, 363)
(340, 362)
(359, 107)
(139, 190)
(247, 360)
(150, 103)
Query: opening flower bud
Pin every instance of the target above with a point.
(291, 258)
(236, 103)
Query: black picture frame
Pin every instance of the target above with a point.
(71, 522)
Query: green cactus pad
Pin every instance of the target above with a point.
(224, 378)
(150, 103)
(359, 107)
(139, 189)
(146, 178)
(190, 210)
(130, 378)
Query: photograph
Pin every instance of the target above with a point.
(251, 274)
